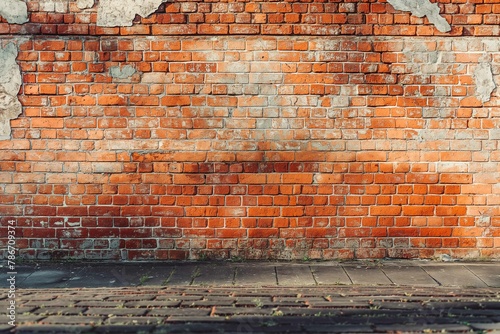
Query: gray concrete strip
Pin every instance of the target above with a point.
(46, 278)
(214, 274)
(22, 272)
(183, 274)
(294, 275)
(409, 276)
(487, 273)
(157, 276)
(91, 276)
(330, 275)
(368, 275)
(255, 274)
(454, 275)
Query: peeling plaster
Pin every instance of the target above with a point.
(10, 82)
(14, 11)
(84, 4)
(121, 13)
(485, 85)
(421, 8)
(122, 73)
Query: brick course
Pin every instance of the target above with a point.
(254, 129)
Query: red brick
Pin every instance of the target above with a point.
(263, 212)
(416, 210)
(385, 210)
(189, 179)
(297, 178)
(275, 146)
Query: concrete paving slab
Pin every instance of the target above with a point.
(294, 275)
(183, 274)
(90, 276)
(367, 275)
(22, 272)
(46, 278)
(153, 274)
(330, 275)
(215, 274)
(489, 274)
(455, 275)
(409, 276)
(255, 274)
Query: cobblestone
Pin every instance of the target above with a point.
(320, 308)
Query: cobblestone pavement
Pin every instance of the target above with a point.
(255, 297)
(198, 309)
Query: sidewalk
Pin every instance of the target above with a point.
(255, 297)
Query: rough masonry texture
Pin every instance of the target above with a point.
(252, 129)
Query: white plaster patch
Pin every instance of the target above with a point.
(14, 11)
(10, 82)
(84, 4)
(58, 6)
(485, 85)
(421, 8)
(121, 13)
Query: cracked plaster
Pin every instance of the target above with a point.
(121, 13)
(14, 11)
(421, 8)
(10, 82)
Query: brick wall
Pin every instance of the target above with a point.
(255, 129)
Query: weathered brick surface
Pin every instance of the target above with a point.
(254, 129)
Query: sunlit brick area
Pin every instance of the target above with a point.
(251, 130)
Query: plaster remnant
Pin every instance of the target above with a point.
(84, 4)
(10, 82)
(484, 82)
(121, 13)
(122, 73)
(14, 11)
(421, 8)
